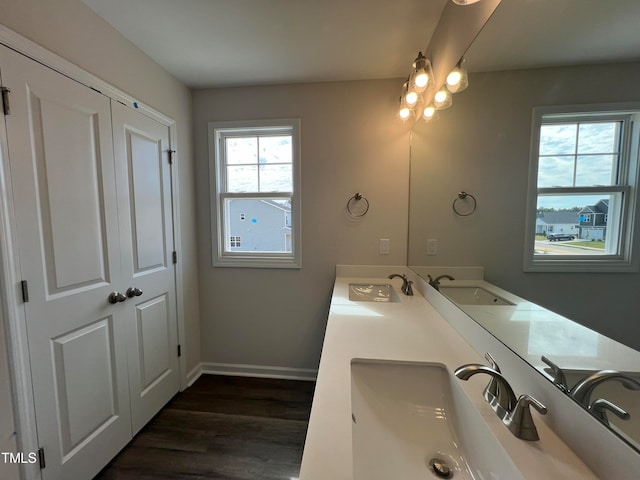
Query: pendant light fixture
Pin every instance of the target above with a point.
(458, 79)
(421, 75)
(442, 98)
(419, 89)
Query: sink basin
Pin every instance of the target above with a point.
(366, 292)
(472, 296)
(405, 414)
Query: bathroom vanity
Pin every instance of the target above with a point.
(374, 358)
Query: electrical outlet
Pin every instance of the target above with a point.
(432, 246)
(384, 246)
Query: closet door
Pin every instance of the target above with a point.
(62, 169)
(143, 177)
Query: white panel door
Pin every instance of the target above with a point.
(62, 170)
(143, 177)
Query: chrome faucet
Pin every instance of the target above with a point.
(435, 282)
(406, 284)
(582, 390)
(515, 414)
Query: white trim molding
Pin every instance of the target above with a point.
(259, 371)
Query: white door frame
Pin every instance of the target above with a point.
(13, 314)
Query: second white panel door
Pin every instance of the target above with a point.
(143, 179)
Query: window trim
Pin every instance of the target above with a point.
(628, 260)
(222, 258)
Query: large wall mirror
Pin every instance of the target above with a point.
(532, 53)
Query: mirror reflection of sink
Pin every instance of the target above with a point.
(406, 414)
(472, 296)
(366, 292)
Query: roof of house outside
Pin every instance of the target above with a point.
(278, 204)
(556, 218)
(601, 207)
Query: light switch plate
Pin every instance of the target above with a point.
(384, 246)
(432, 246)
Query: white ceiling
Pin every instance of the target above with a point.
(211, 43)
(208, 43)
(543, 33)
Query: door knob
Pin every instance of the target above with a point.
(133, 292)
(116, 297)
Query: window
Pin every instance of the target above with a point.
(255, 190)
(583, 173)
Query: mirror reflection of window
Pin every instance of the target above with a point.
(582, 172)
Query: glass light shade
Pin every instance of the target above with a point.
(428, 113)
(404, 112)
(421, 79)
(411, 98)
(457, 80)
(442, 99)
(465, 2)
(421, 74)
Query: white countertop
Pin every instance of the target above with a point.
(531, 331)
(411, 330)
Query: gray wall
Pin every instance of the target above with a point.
(481, 145)
(350, 142)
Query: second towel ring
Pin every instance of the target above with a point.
(353, 201)
(461, 197)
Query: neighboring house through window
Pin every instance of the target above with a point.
(583, 174)
(255, 187)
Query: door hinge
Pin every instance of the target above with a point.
(24, 286)
(41, 459)
(175, 257)
(179, 350)
(6, 107)
(171, 152)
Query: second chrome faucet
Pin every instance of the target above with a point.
(514, 413)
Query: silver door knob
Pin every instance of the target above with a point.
(116, 297)
(133, 292)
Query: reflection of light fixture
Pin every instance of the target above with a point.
(421, 73)
(409, 96)
(465, 2)
(458, 79)
(405, 111)
(429, 113)
(442, 99)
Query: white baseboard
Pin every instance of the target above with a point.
(194, 375)
(259, 371)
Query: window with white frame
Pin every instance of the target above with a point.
(582, 183)
(255, 190)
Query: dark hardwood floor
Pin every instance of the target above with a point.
(222, 428)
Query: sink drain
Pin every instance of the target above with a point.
(440, 468)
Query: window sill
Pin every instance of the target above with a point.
(257, 262)
(581, 266)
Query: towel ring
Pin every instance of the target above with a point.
(462, 196)
(353, 201)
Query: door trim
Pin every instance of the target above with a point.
(13, 314)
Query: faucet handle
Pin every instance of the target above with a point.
(520, 422)
(492, 363)
(558, 375)
(599, 409)
(492, 388)
(409, 289)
